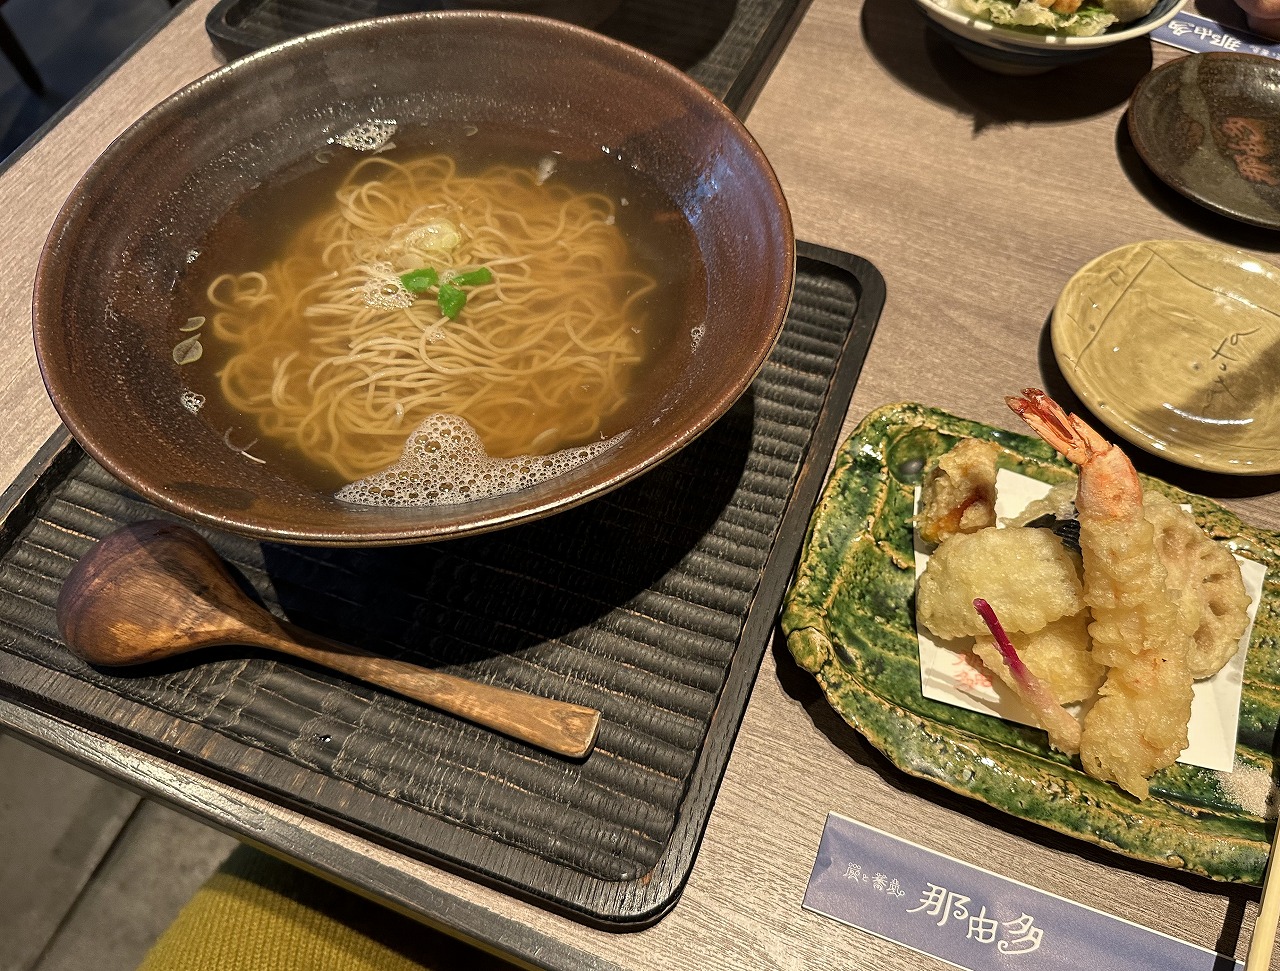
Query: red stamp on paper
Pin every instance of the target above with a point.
(971, 673)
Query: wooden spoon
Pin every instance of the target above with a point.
(155, 589)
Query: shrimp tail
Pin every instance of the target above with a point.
(1067, 433)
(1109, 487)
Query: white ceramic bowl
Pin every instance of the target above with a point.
(1010, 51)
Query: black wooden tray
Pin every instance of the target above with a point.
(729, 46)
(654, 603)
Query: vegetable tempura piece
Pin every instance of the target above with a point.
(959, 494)
(1203, 577)
(1058, 654)
(1063, 729)
(1139, 723)
(1206, 581)
(1025, 574)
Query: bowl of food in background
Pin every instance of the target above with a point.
(412, 278)
(1025, 37)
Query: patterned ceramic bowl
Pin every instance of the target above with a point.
(1009, 50)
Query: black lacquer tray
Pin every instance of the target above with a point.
(728, 46)
(654, 603)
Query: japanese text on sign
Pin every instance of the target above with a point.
(1190, 32)
(1020, 936)
(972, 918)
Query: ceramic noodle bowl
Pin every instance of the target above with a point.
(111, 333)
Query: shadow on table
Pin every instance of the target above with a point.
(801, 688)
(525, 587)
(1226, 12)
(680, 33)
(71, 42)
(900, 38)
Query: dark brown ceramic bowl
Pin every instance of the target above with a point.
(103, 311)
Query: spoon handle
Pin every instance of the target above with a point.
(557, 726)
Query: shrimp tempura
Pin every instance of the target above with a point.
(1139, 723)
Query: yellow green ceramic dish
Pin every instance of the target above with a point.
(1176, 347)
(849, 619)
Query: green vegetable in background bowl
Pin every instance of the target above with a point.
(1025, 37)
(1069, 17)
(1086, 20)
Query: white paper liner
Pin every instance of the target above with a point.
(950, 674)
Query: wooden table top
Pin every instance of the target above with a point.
(977, 197)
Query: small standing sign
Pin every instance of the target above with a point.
(1192, 32)
(973, 918)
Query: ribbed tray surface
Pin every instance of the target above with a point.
(717, 43)
(633, 604)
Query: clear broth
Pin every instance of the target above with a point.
(259, 230)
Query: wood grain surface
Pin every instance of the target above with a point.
(34, 184)
(977, 197)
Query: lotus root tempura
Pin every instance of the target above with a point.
(502, 294)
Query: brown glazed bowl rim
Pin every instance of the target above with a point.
(77, 411)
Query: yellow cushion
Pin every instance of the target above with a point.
(258, 913)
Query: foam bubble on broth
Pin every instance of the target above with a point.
(444, 464)
(384, 291)
(368, 136)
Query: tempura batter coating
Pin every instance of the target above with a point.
(1139, 724)
(1025, 574)
(1058, 654)
(1125, 585)
(1062, 727)
(1205, 577)
(959, 493)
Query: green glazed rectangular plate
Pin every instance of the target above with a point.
(849, 619)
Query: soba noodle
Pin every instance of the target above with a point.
(331, 354)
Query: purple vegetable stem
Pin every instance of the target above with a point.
(1003, 643)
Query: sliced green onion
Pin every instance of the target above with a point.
(472, 278)
(449, 293)
(419, 281)
(451, 300)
